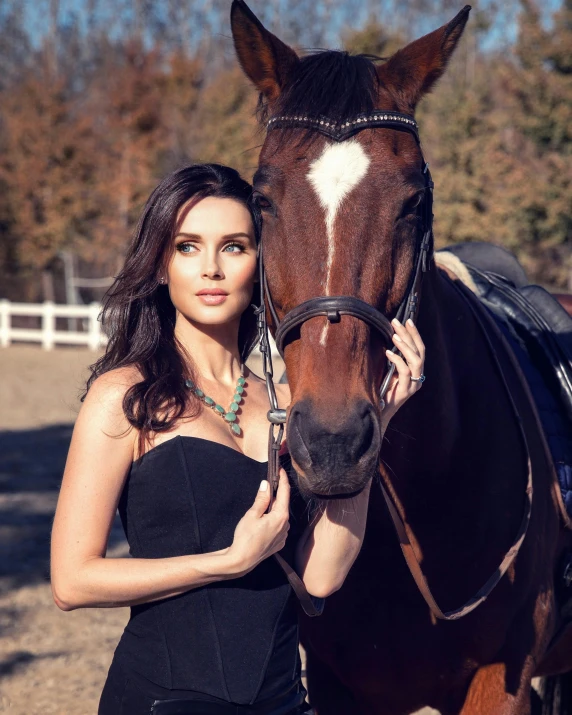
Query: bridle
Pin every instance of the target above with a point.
(333, 307)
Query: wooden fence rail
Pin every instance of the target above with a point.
(47, 335)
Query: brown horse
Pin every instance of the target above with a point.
(343, 219)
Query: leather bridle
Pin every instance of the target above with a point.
(333, 307)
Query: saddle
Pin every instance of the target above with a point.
(539, 331)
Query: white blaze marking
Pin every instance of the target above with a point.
(333, 175)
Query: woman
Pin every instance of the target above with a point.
(173, 431)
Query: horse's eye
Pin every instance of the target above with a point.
(412, 204)
(261, 201)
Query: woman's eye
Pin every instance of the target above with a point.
(182, 247)
(234, 248)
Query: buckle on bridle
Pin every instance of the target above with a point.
(276, 416)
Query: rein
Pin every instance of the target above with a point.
(333, 307)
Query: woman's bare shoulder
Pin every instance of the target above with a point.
(104, 399)
(103, 439)
(116, 381)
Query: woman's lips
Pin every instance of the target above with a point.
(212, 298)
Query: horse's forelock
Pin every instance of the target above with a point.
(327, 83)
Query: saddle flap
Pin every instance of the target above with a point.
(556, 318)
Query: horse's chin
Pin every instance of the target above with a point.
(334, 497)
(325, 488)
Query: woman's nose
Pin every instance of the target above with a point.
(211, 266)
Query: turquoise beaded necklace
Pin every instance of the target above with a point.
(228, 415)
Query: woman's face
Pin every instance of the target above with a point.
(213, 267)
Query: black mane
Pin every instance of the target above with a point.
(328, 83)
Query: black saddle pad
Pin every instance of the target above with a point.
(539, 331)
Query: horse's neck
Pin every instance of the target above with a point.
(435, 409)
(455, 399)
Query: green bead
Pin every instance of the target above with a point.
(235, 428)
(230, 417)
(220, 408)
(233, 407)
(209, 401)
(241, 380)
(199, 393)
(237, 398)
(239, 389)
(189, 383)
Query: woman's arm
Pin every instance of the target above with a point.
(331, 542)
(99, 458)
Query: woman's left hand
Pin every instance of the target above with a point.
(401, 386)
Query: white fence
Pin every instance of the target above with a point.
(47, 335)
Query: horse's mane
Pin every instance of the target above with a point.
(327, 83)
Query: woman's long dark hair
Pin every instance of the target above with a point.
(138, 315)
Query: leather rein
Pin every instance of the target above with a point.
(333, 307)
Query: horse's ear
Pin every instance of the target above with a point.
(412, 71)
(265, 59)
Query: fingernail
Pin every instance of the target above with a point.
(397, 338)
(395, 321)
(263, 485)
(410, 321)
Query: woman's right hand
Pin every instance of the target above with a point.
(259, 535)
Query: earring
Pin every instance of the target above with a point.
(161, 280)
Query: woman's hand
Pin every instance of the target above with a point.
(401, 386)
(259, 535)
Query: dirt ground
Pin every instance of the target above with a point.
(51, 662)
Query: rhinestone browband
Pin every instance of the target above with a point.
(341, 131)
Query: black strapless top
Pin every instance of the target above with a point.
(233, 640)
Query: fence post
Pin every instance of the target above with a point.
(94, 326)
(4, 323)
(48, 325)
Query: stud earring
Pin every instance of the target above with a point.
(161, 280)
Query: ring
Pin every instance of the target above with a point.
(421, 378)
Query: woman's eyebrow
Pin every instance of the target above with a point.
(226, 237)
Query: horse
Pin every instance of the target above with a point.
(345, 195)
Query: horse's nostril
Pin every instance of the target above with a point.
(317, 445)
(369, 423)
(296, 441)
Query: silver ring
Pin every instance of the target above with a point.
(421, 378)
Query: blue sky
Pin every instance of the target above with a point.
(503, 30)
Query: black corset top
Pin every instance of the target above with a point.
(235, 639)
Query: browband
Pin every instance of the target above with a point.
(338, 131)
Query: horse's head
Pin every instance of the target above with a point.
(341, 218)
